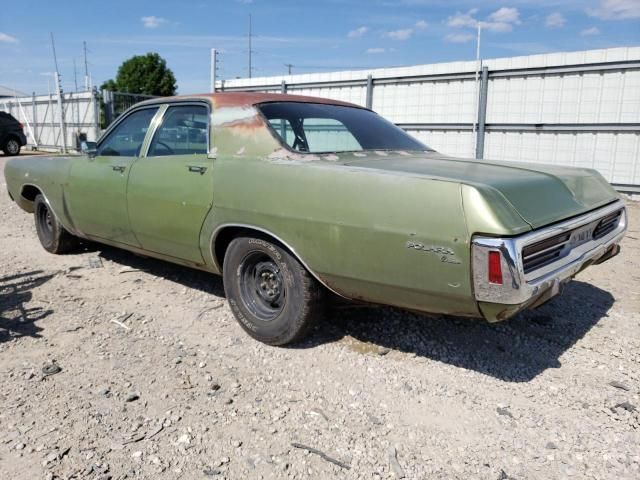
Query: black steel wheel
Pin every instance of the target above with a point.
(262, 286)
(52, 235)
(273, 297)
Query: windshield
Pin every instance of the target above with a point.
(320, 128)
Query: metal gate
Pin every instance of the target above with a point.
(84, 116)
(48, 128)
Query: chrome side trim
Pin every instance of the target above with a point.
(518, 287)
(219, 228)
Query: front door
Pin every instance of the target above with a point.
(97, 189)
(170, 189)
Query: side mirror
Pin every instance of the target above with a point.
(89, 148)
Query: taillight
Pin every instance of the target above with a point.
(21, 126)
(495, 268)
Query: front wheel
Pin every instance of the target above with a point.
(270, 293)
(52, 235)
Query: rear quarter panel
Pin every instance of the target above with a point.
(378, 237)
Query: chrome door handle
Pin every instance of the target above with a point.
(118, 168)
(197, 169)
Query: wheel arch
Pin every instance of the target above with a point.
(30, 192)
(224, 234)
(9, 136)
(27, 196)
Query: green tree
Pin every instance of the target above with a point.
(147, 74)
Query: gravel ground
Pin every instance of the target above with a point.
(116, 366)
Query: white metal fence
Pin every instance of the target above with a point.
(575, 109)
(46, 128)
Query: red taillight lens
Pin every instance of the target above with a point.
(495, 268)
(21, 126)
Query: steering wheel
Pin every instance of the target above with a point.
(167, 147)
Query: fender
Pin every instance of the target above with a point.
(221, 227)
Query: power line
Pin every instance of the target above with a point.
(330, 67)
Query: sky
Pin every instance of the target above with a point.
(311, 35)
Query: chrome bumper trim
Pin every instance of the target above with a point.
(518, 287)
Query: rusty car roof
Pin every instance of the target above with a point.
(242, 99)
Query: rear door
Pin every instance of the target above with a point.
(170, 188)
(97, 190)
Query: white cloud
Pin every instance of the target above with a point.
(616, 9)
(402, 34)
(463, 19)
(421, 25)
(505, 15)
(590, 31)
(555, 20)
(152, 21)
(497, 26)
(502, 20)
(376, 50)
(5, 38)
(459, 37)
(358, 32)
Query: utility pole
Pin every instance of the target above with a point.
(75, 74)
(250, 52)
(59, 89)
(87, 80)
(289, 67)
(477, 89)
(214, 69)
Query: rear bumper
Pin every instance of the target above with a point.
(521, 290)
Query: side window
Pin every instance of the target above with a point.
(183, 132)
(127, 138)
(329, 135)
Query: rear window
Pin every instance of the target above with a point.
(320, 128)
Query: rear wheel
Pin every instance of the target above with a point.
(11, 147)
(52, 235)
(272, 296)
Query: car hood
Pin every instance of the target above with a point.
(541, 194)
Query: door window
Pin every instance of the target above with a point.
(126, 139)
(183, 132)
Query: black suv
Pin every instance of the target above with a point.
(12, 137)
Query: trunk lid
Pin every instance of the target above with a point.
(541, 194)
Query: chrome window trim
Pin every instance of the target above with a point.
(518, 287)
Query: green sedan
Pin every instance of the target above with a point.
(290, 198)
